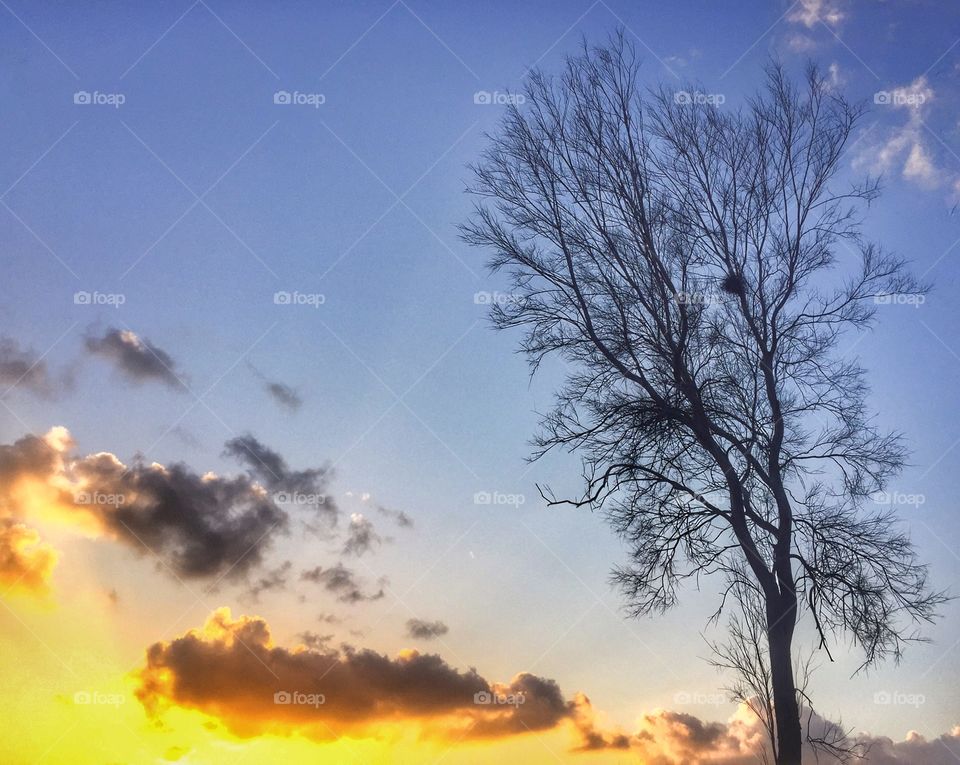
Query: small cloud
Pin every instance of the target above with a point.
(137, 359)
(313, 641)
(272, 581)
(284, 395)
(906, 148)
(801, 43)
(23, 369)
(185, 437)
(401, 518)
(835, 78)
(813, 12)
(424, 630)
(342, 582)
(361, 536)
(287, 397)
(26, 563)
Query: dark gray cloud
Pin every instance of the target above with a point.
(361, 536)
(314, 641)
(23, 369)
(136, 358)
(284, 395)
(271, 581)
(401, 518)
(342, 582)
(420, 629)
(200, 525)
(272, 471)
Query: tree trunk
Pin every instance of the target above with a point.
(781, 620)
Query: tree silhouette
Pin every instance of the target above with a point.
(683, 259)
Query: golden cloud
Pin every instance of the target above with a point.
(231, 669)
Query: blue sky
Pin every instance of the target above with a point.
(198, 198)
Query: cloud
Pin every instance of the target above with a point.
(272, 470)
(905, 147)
(200, 525)
(314, 641)
(137, 359)
(424, 630)
(401, 518)
(800, 43)
(665, 737)
(284, 395)
(271, 581)
(231, 669)
(342, 582)
(26, 563)
(20, 368)
(810, 13)
(913, 750)
(361, 536)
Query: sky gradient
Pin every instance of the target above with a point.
(230, 229)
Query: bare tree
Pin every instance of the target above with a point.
(682, 258)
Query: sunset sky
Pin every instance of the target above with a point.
(233, 291)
